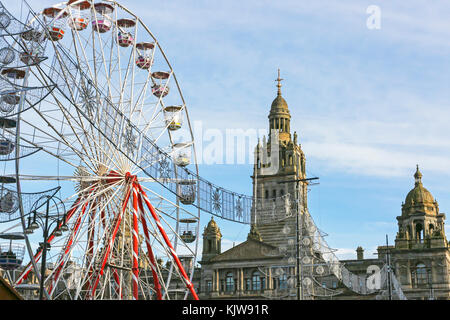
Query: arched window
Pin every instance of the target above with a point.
(420, 275)
(419, 231)
(256, 281)
(229, 287)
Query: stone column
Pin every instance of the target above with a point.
(408, 274)
(270, 282)
(216, 282)
(434, 274)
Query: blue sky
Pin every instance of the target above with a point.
(368, 104)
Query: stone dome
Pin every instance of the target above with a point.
(212, 225)
(418, 195)
(279, 103)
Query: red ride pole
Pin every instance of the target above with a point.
(135, 267)
(149, 247)
(113, 236)
(168, 243)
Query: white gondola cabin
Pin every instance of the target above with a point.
(125, 38)
(7, 55)
(188, 232)
(101, 20)
(6, 146)
(9, 95)
(5, 20)
(173, 117)
(161, 88)
(145, 54)
(57, 19)
(187, 191)
(9, 203)
(79, 15)
(182, 154)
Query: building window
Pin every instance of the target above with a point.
(256, 281)
(222, 285)
(324, 284)
(274, 193)
(419, 232)
(229, 282)
(421, 275)
(248, 284)
(267, 194)
(334, 284)
(283, 281)
(208, 286)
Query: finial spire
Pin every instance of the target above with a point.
(279, 83)
(418, 175)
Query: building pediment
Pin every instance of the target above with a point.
(248, 250)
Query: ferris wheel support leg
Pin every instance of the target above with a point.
(168, 243)
(67, 248)
(111, 241)
(117, 280)
(149, 247)
(26, 271)
(90, 249)
(135, 267)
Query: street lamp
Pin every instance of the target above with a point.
(42, 220)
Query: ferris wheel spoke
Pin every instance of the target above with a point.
(117, 219)
(58, 137)
(70, 119)
(69, 79)
(77, 233)
(168, 243)
(72, 240)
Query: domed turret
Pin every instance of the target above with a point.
(421, 225)
(419, 196)
(211, 241)
(279, 116)
(212, 226)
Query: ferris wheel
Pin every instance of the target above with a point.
(93, 114)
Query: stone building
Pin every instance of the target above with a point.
(260, 267)
(420, 258)
(257, 268)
